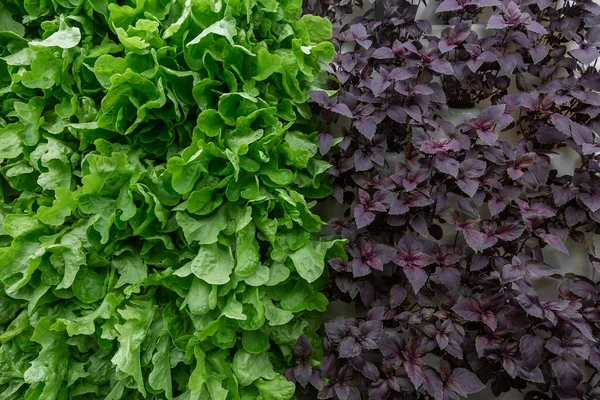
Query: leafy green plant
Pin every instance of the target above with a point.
(158, 166)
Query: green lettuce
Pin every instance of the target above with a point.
(158, 167)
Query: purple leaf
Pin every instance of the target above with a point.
(315, 379)
(346, 285)
(379, 390)
(483, 343)
(327, 391)
(320, 97)
(415, 373)
(325, 141)
(401, 74)
(383, 53)
(535, 375)
(423, 89)
(550, 135)
(568, 373)
(328, 363)
(414, 112)
(396, 113)
(509, 62)
(447, 165)
(303, 348)
(349, 347)
(513, 271)
(303, 373)
(416, 276)
(530, 304)
(509, 232)
(362, 161)
(555, 242)
(510, 366)
(562, 195)
(336, 330)
(591, 81)
(441, 66)
(365, 367)
(432, 383)
(419, 224)
(496, 205)
(392, 348)
(409, 253)
(488, 137)
(555, 345)
(379, 84)
(442, 337)
(464, 382)
(496, 22)
(469, 186)
(539, 269)
(366, 43)
(591, 200)
(581, 134)
(473, 238)
(472, 168)
(467, 206)
(534, 26)
(445, 46)
(358, 30)
(595, 358)
(342, 109)
(468, 309)
(489, 319)
(362, 216)
(360, 268)
(573, 215)
(366, 126)
(586, 55)
(370, 333)
(538, 53)
(399, 206)
(491, 114)
(475, 64)
(382, 254)
(397, 296)
(561, 123)
(532, 350)
(450, 277)
(454, 349)
(342, 391)
(448, 5)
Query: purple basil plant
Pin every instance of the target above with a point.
(455, 230)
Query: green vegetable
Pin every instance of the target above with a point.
(158, 165)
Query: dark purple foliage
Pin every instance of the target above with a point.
(304, 374)
(455, 229)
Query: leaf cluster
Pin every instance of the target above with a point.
(457, 229)
(158, 167)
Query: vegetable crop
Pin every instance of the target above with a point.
(158, 168)
(472, 243)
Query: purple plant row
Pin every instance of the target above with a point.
(455, 229)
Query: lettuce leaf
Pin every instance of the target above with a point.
(158, 166)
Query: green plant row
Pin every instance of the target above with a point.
(158, 166)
